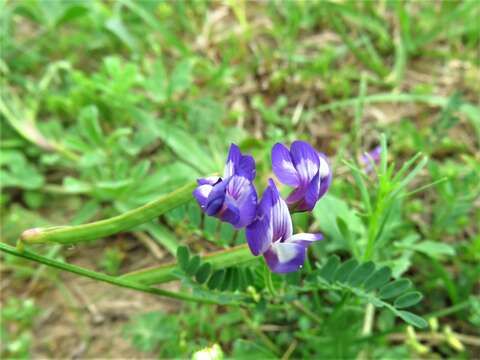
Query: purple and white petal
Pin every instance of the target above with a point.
(324, 168)
(243, 194)
(211, 180)
(296, 195)
(311, 195)
(201, 194)
(238, 164)
(285, 257)
(304, 239)
(283, 167)
(306, 160)
(229, 212)
(280, 215)
(216, 198)
(259, 235)
(246, 167)
(326, 175)
(233, 159)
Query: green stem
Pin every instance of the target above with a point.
(116, 224)
(165, 273)
(99, 276)
(267, 274)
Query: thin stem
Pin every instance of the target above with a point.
(116, 224)
(99, 276)
(367, 328)
(267, 275)
(307, 312)
(265, 339)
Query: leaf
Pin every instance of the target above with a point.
(185, 146)
(394, 288)
(344, 270)
(89, 125)
(216, 279)
(162, 235)
(183, 256)
(193, 265)
(433, 249)
(408, 299)
(181, 77)
(16, 171)
(235, 279)
(413, 319)
(227, 279)
(326, 213)
(157, 82)
(343, 228)
(249, 276)
(203, 272)
(361, 273)
(328, 270)
(117, 27)
(378, 278)
(72, 185)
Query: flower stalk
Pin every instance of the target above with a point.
(107, 227)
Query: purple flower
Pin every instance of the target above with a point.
(305, 169)
(271, 234)
(233, 198)
(367, 157)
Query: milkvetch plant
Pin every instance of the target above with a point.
(237, 275)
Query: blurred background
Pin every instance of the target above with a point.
(106, 105)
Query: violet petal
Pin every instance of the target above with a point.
(283, 167)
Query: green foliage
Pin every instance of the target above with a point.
(373, 286)
(16, 321)
(112, 260)
(106, 106)
(229, 279)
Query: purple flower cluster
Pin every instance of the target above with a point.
(269, 231)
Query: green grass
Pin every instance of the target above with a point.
(108, 106)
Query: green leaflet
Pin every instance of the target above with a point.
(193, 265)
(344, 270)
(378, 278)
(328, 270)
(216, 279)
(394, 288)
(408, 299)
(183, 256)
(361, 273)
(368, 284)
(203, 272)
(413, 319)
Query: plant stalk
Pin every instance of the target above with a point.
(116, 224)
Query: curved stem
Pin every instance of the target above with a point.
(116, 224)
(99, 276)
